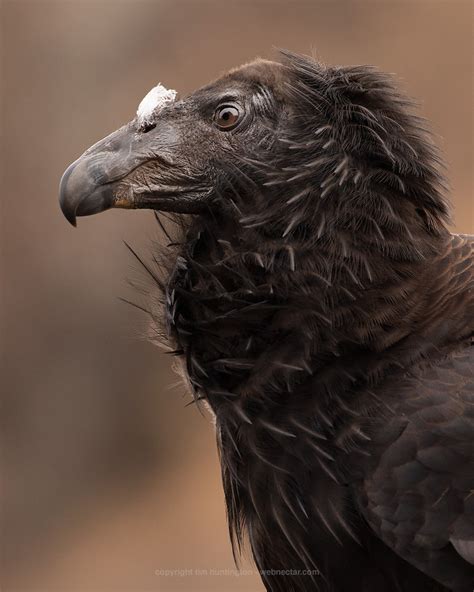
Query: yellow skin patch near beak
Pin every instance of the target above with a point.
(127, 203)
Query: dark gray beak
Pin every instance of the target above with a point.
(88, 184)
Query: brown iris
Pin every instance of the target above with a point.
(227, 117)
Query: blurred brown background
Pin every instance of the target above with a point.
(107, 476)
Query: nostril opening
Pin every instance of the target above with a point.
(147, 127)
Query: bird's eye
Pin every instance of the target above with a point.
(227, 116)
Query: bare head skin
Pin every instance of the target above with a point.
(171, 156)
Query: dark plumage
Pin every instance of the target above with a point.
(322, 310)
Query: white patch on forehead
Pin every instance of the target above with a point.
(157, 98)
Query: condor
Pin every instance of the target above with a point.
(322, 310)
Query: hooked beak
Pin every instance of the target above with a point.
(105, 176)
(88, 184)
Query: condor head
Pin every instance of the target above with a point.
(291, 148)
(175, 154)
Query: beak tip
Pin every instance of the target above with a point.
(68, 207)
(68, 213)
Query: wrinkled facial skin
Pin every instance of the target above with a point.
(181, 158)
